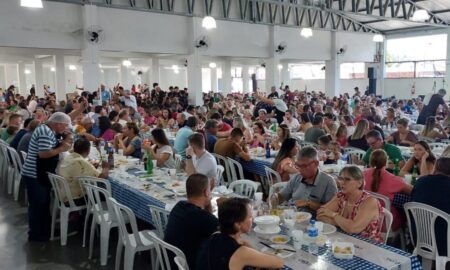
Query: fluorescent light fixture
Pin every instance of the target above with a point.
(27, 71)
(280, 66)
(209, 23)
(212, 65)
(420, 15)
(31, 3)
(378, 38)
(174, 67)
(72, 67)
(176, 71)
(52, 69)
(306, 32)
(100, 65)
(126, 63)
(102, 71)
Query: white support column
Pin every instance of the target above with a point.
(124, 77)
(194, 68)
(446, 83)
(60, 78)
(381, 68)
(213, 79)
(155, 71)
(39, 77)
(272, 71)
(285, 75)
(22, 78)
(226, 77)
(333, 70)
(90, 54)
(245, 80)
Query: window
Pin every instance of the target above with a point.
(314, 71)
(236, 72)
(416, 57)
(261, 73)
(352, 70)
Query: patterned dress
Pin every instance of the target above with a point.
(373, 229)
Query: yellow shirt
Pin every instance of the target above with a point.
(73, 166)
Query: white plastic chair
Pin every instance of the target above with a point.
(4, 162)
(441, 262)
(245, 188)
(236, 170)
(134, 241)
(178, 162)
(181, 263)
(14, 173)
(11, 169)
(162, 250)
(160, 217)
(438, 145)
(277, 187)
(358, 153)
(24, 155)
(388, 218)
(61, 189)
(272, 175)
(220, 181)
(306, 144)
(103, 216)
(223, 161)
(424, 217)
(98, 182)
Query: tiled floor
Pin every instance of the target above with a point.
(16, 253)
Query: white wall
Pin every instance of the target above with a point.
(401, 88)
(169, 78)
(316, 47)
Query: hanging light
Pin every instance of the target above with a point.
(212, 65)
(209, 23)
(102, 71)
(31, 3)
(420, 15)
(72, 67)
(27, 71)
(175, 67)
(378, 38)
(176, 71)
(52, 69)
(306, 32)
(280, 66)
(126, 63)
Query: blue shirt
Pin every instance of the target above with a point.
(211, 139)
(181, 141)
(106, 95)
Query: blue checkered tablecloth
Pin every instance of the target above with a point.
(400, 199)
(255, 166)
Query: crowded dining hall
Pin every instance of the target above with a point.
(215, 135)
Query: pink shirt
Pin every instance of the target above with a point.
(389, 185)
(150, 120)
(108, 135)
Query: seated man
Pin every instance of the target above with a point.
(375, 141)
(311, 188)
(181, 139)
(75, 165)
(8, 133)
(198, 160)
(211, 129)
(191, 222)
(430, 189)
(233, 146)
(316, 131)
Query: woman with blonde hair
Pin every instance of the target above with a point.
(358, 139)
(433, 129)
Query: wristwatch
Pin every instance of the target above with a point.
(188, 157)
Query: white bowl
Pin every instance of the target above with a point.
(302, 217)
(343, 250)
(266, 223)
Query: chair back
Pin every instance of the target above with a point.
(24, 156)
(385, 200)
(95, 181)
(223, 161)
(95, 195)
(220, 181)
(61, 190)
(437, 145)
(160, 218)
(123, 214)
(236, 170)
(15, 158)
(163, 249)
(245, 188)
(277, 187)
(353, 154)
(424, 218)
(272, 175)
(305, 144)
(181, 263)
(388, 218)
(441, 262)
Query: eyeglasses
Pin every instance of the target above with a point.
(303, 166)
(344, 179)
(372, 143)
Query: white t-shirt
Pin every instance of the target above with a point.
(206, 165)
(294, 125)
(170, 163)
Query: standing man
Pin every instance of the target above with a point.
(43, 145)
(431, 106)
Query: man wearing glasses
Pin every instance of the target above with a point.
(309, 189)
(375, 141)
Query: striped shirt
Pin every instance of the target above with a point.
(43, 139)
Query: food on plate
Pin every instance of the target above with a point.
(279, 239)
(342, 250)
(176, 184)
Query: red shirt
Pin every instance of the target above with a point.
(225, 127)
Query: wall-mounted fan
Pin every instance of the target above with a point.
(281, 48)
(202, 43)
(94, 34)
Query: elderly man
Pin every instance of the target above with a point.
(311, 188)
(181, 120)
(375, 141)
(43, 145)
(128, 99)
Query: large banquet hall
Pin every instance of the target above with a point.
(224, 134)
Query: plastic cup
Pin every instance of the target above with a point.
(173, 172)
(319, 226)
(258, 196)
(154, 163)
(297, 237)
(321, 162)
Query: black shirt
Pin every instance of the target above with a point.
(358, 143)
(430, 109)
(188, 227)
(215, 254)
(433, 190)
(273, 95)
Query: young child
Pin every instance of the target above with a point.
(329, 151)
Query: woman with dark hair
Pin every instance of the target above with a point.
(403, 136)
(113, 117)
(225, 249)
(423, 159)
(129, 140)
(305, 122)
(353, 209)
(283, 133)
(161, 151)
(379, 180)
(106, 132)
(165, 120)
(258, 135)
(284, 162)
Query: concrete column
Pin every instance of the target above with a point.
(91, 78)
(214, 82)
(333, 70)
(60, 77)
(22, 78)
(194, 79)
(39, 77)
(381, 68)
(245, 80)
(447, 69)
(155, 77)
(124, 77)
(226, 77)
(272, 72)
(285, 75)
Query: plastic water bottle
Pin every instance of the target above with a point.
(312, 240)
(267, 148)
(344, 159)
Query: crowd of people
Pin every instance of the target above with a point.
(148, 121)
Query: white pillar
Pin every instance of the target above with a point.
(272, 71)
(447, 68)
(154, 72)
(124, 77)
(286, 75)
(39, 77)
(245, 80)
(226, 77)
(60, 75)
(333, 70)
(22, 79)
(194, 79)
(213, 79)
(91, 78)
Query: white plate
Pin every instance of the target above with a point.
(275, 230)
(328, 228)
(284, 238)
(268, 219)
(282, 254)
(158, 180)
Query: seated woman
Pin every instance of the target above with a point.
(353, 209)
(305, 122)
(162, 152)
(379, 180)
(433, 129)
(347, 121)
(283, 133)
(341, 136)
(165, 120)
(225, 249)
(129, 140)
(259, 138)
(390, 120)
(106, 132)
(423, 159)
(329, 152)
(358, 139)
(284, 162)
(403, 136)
